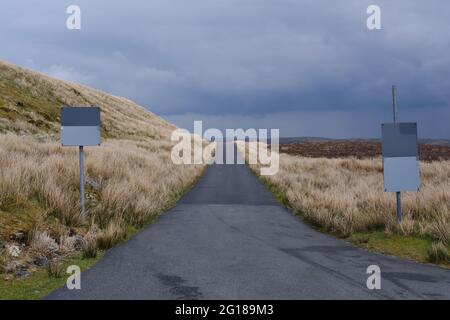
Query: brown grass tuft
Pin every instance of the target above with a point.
(43, 245)
(438, 253)
(90, 247)
(55, 269)
(114, 233)
(346, 196)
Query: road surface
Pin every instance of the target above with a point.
(229, 239)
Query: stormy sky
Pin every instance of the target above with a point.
(307, 67)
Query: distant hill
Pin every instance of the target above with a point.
(30, 104)
(286, 140)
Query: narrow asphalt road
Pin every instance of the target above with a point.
(229, 239)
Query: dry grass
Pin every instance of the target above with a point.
(127, 185)
(438, 253)
(44, 245)
(113, 234)
(130, 183)
(130, 179)
(89, 248)
(345, 196)
(55, 269)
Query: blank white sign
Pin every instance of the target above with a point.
(401, 174)
(80, 136)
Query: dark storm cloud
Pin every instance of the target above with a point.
(253, 59)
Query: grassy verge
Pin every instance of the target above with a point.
(39, 284)
(414, 247)
(409, 247)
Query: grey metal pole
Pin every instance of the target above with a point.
(395, 116)
(399, 207)
(394, 103)
(82, 181)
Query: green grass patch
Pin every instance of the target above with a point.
(18, 215)
(39, 284)
(276, 192)
(410, 247)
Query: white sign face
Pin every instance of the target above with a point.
(401, 174)
(400, 157)
(80, 126)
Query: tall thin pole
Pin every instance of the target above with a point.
(82, 181)
(395, 116)
(399, 207)
(394, 103)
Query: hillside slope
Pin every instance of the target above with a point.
(130, 179)
(30, 104)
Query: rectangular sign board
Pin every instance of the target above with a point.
(400, 150)
(80, 126)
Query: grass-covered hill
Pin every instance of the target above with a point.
(130, 178)
(30, 104)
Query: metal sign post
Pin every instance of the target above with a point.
(394, 103)
(400, 156)
(80, 126)
(395, 116)
(81, 151)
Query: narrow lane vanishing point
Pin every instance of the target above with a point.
(229, 239)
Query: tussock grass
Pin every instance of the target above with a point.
(113, 234)
(43, 245)
(126, 185)
(346, 196)
(55, 269)
(130, 179)
(438, 253)
(89, 248)
(132, 184)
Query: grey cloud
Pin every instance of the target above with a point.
(246, 58)
(331, 123)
